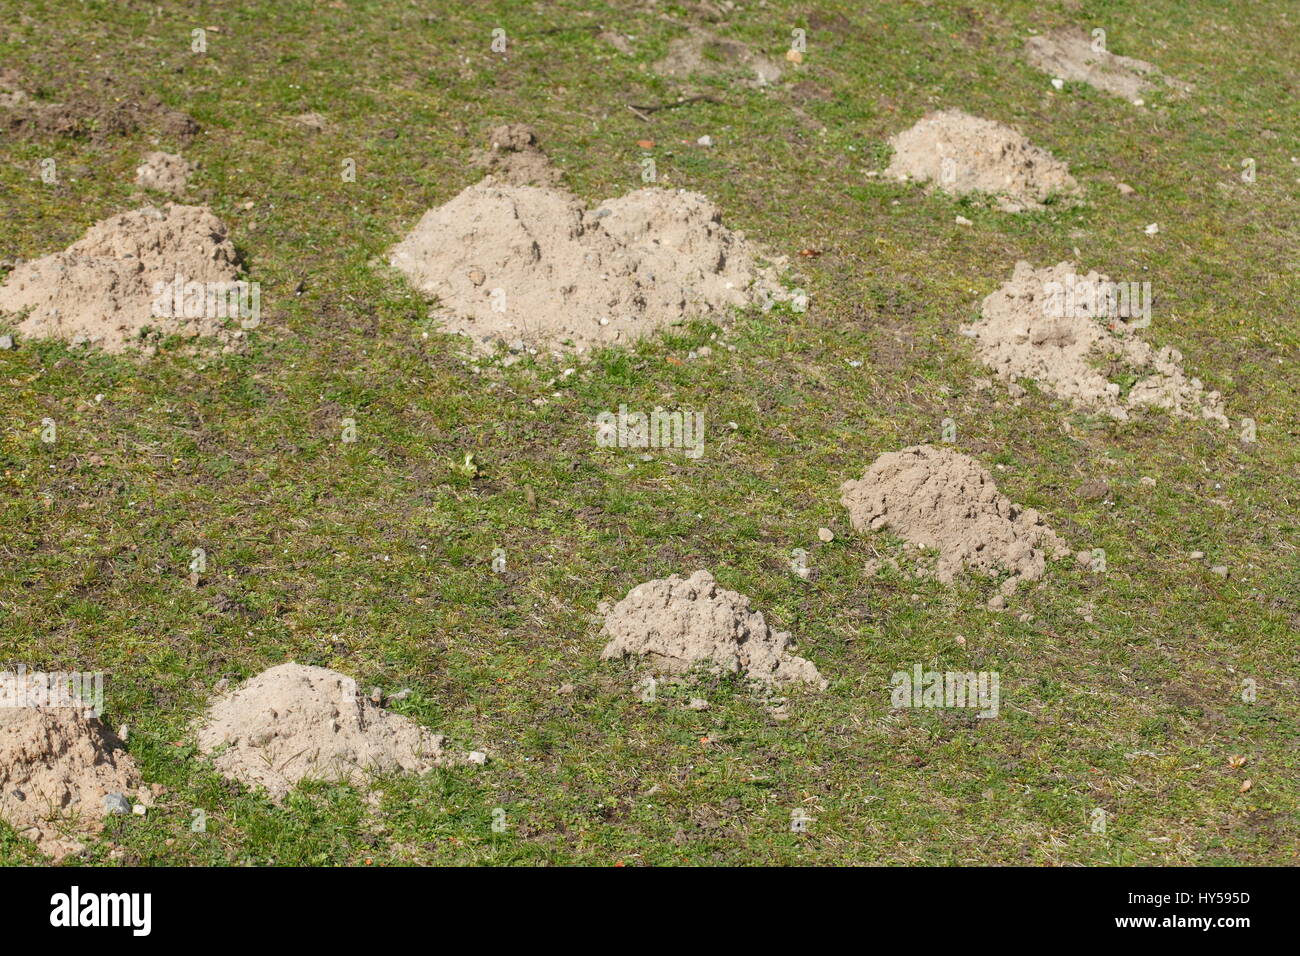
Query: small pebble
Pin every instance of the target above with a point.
(116, 803)
(826, 534)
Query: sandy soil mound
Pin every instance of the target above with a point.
(1068, 54)
(526, 263)
(1077, 353)
(56, 767)
(164, 172)
(101, 289)
(294, 722)
(961, 154)
(514, 156)
(941, 499)
(680, 622)
(703, 53)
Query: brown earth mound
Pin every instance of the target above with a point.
(679, 623)
(110, 112)
(164, 172)
(57, 764)
(514, 156)
(531, 264)
(962, 154)
(1026, 330)
(103, 289)
(294, 722)
(941, 499)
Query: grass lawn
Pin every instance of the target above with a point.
(1120, 691)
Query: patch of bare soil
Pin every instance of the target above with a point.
(89, 116)
(701, 53)
(1072, 56)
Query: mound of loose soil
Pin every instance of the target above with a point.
(962, 154)
(164, 172)
(514, 156)
(941, 499)
(56, 767)
(101, 289)
(526, 263)
(680, 623)
(294, 722)
(1068, 54)
(702, 53)
(1076, 354)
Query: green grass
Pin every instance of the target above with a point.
(374, 557)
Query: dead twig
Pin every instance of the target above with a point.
(643, 112)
